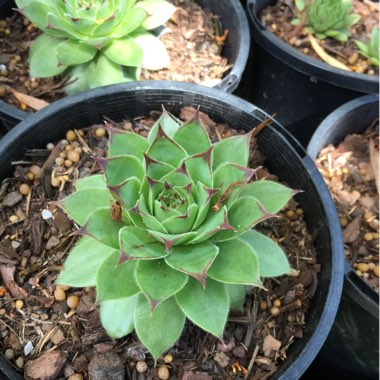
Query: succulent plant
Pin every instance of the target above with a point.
(327, 18)
(167, 231)
(370, 49)
(330, 18)
(96, 42)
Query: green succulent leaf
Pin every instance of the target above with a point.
(83, 263)
(272, 259)
(164, 149)
(112, 72)
(77, 79)
(115, 281)
(117, 316)
(101, 227)
(95, 181)
(136, 244)
(236, 296)
(70, 52)
(36, 12)
(194, 300)
(215, 221)
(131, 21)
(167, 123)
(155, 56)
(193, 259)
(158, 330)
(178, 224)
(199, 167)
(159, 11)
(157, 169)
(228, 174)
(243, 215)
(126, 143)
(234, 150)
(192, 136)
(127, 192)
(124, 51)
(158, 281)
(43, 59)
(81, 204)
(273, 196)
(236, 263)
(120, 168)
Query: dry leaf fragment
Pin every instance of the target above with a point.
(30, 101)
(7, 272)
(270, 343)
(326, 57)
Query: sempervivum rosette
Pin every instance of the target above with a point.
(168, 231)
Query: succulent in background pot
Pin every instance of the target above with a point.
(96, 42)
(277, 69)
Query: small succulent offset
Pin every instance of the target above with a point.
(370, 49)
(327, 18)
(167, 231)
(96, 42)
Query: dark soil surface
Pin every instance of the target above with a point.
(349, 172)
(278, 20)
(55, 331)
(193, 37)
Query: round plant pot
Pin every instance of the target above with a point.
(352, 347)
(6, 8)
(299, 89)
(285, 158)
(236, 49)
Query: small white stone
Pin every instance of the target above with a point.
(46, 214)
(28, 348)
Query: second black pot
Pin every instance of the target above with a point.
(352, 347)
(299, 89)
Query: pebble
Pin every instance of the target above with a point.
(45, 367)
(141, 366)
(59, 294)
(70, 135)
(36, 170)
(50, 146)
(73, 302)
(24, 189)
(100, 132)
(362, 267)
(58, 337)
(28, 348)
(13, 218)
(19, 304)
(274, 311)
(9, 354)
(168, 358)
(20, 362)
(368, 236)
(76, 376)
(163, 373)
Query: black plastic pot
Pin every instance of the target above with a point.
(352, 347)
(299, 89)
(236, 50)
(285, 157)
(6, 8)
